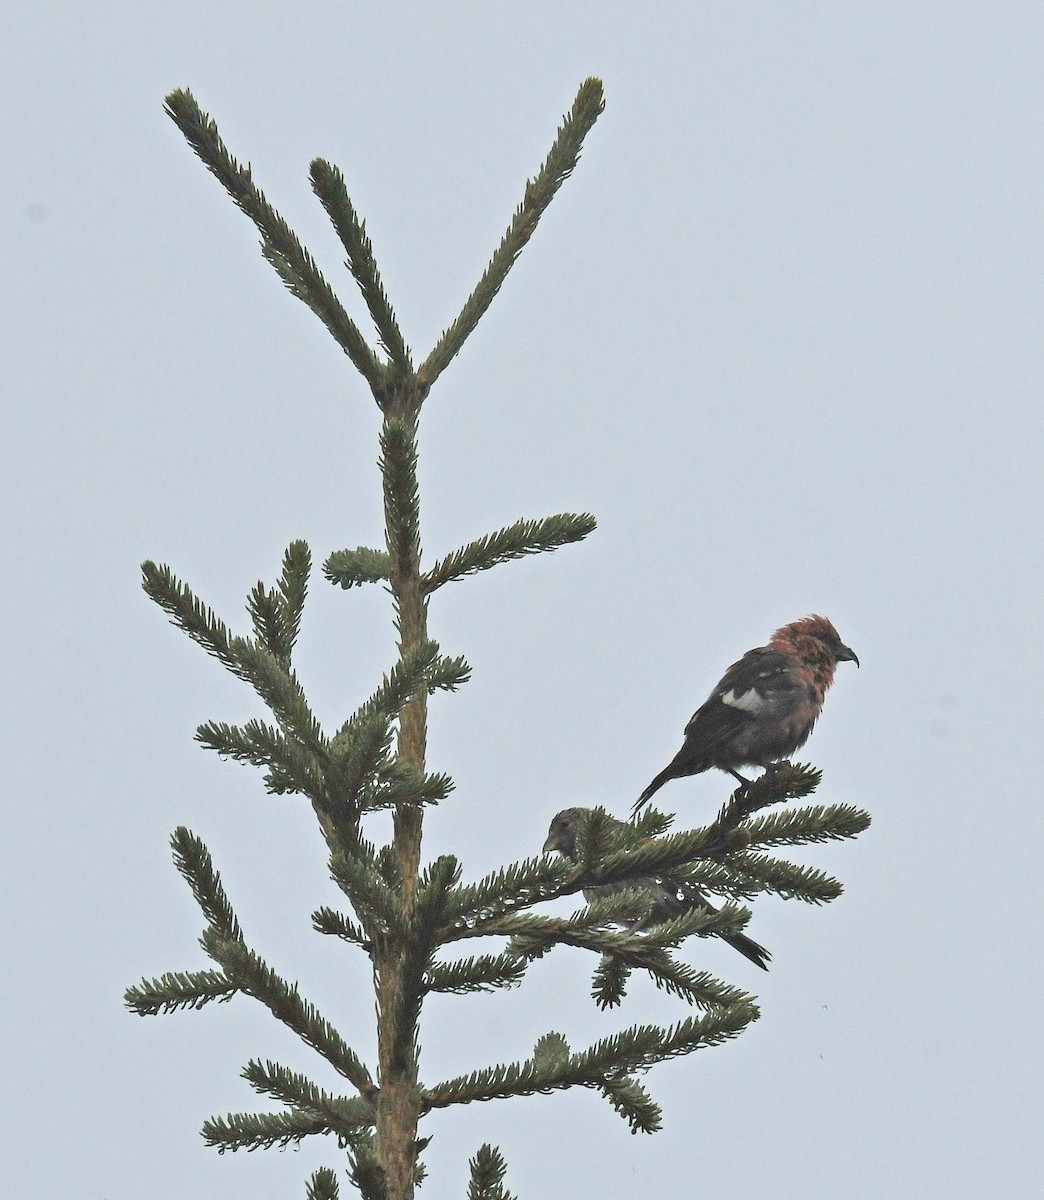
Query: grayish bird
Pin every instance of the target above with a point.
(666, 896)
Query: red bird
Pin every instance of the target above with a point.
(764, 706)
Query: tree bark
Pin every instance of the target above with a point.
(398, 1108)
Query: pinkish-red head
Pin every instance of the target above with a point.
(815, 642)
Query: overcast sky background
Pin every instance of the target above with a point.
(780, 332)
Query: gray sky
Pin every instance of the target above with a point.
(780, 333)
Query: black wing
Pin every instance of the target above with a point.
(668, 898)
(740, 695)
(746, 689)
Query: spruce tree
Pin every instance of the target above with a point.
(413, 920)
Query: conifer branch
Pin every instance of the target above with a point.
(260, 1131)
(265, 610)
(540, 191)
(609, 981)
(551, 1051)
(292, 768)
(666, 854)
(176, 990)
(483, 973)
(448, 674)
(717, 878)
(598, 835)
(276, 612)
(405, 680)
(786, 879)
(187, 612)
(699, 988)
(488, 1169)
(725, 838)
(360, 748)
(599, 922)
(801, 826)
(516, 886)
(634, 1104)
(699, 922)
(398, 463)
(279, 244)
(647, 951)
(402, 783)
(375, 903)
(329, 921)
(353, 568)
(650, 823)
(342, 1115)
(432, 897)
(258, 665)
(196, 867)
(729, 878)
(293, 588)
(279, 688)
(328, 184)
(428, 907)
(359, 751)
(596, 928)
(781, 781)
(601, 917)
(632, 1050)
(254, 977)
(516, 541)
(367, 1171)
(323, 1186)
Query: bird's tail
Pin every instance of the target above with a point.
(686, 762)
(667, 773)
(749, 948)
(689, 896)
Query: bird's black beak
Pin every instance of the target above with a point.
(551, 844)
(844, 654)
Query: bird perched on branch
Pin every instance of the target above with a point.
(764, 706)
(666, 897)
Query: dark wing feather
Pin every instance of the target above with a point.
(667, 898)
(764, 673)
(675, 897)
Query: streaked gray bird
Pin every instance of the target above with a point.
(667, 897)
(764, 706)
